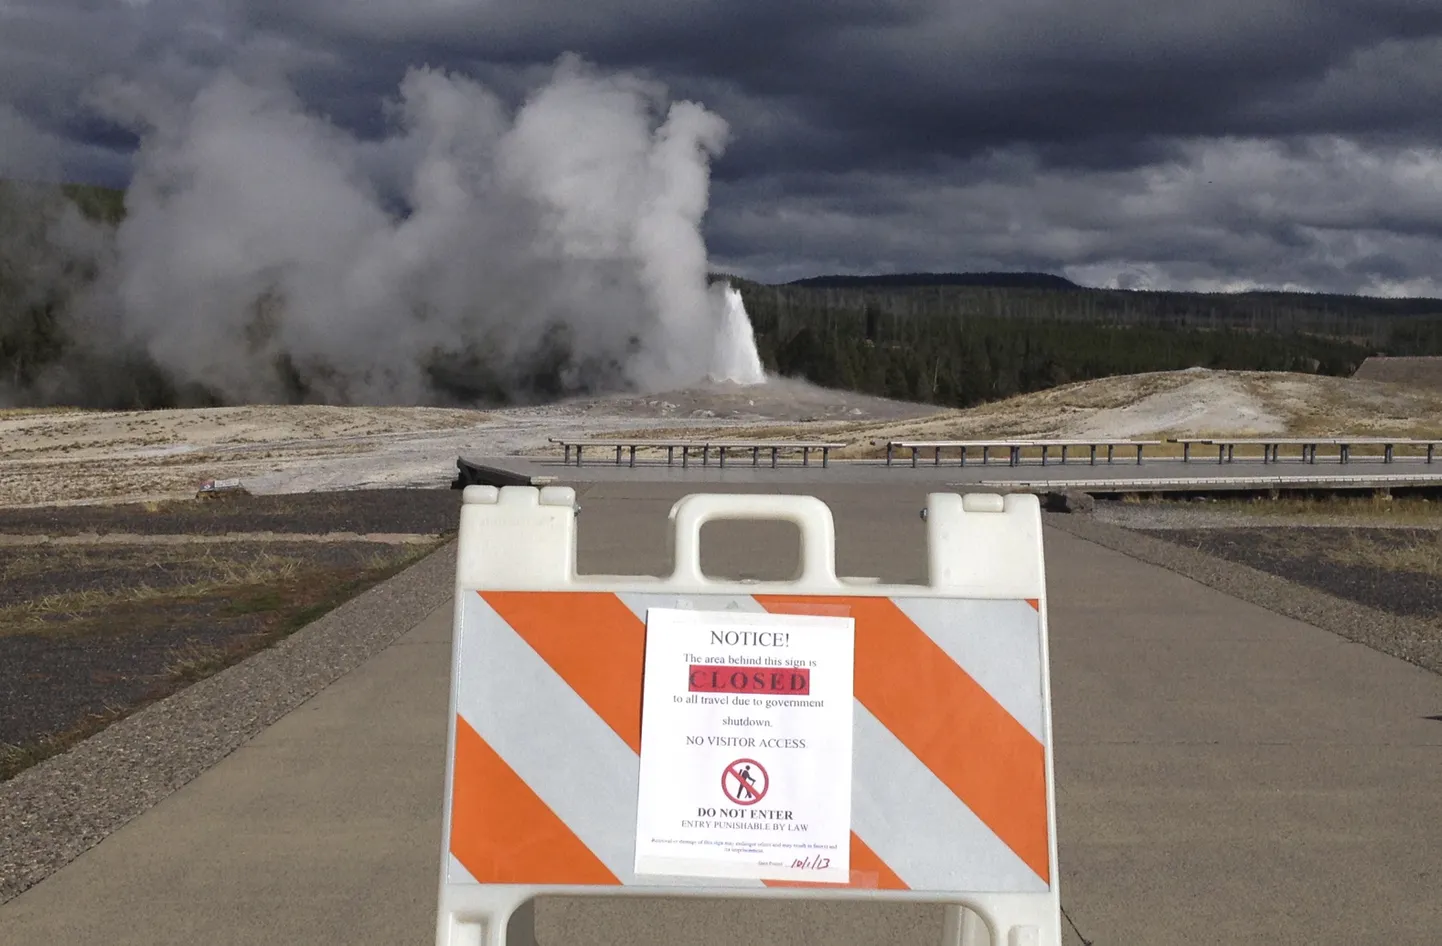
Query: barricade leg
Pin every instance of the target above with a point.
(936, 460)
(633, 455)
(1186, 453)
(1139, 454)
(1008, 921)
(755, 456)
(489, 917)
(721, 455)
(963, 455)
(1093, 460)
(670, 455)
(963, 927)
(1110, 449)
(775, 451)
(825, 457)
(618, 456)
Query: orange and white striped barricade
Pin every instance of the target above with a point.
(951, 794)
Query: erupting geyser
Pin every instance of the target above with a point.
(478, 250)
(736, 356)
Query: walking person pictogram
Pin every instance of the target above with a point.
(745, 781)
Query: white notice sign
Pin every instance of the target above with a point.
(746, 746)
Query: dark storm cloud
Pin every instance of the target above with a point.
(828, 86)
(1281, 142)
(1224, 215)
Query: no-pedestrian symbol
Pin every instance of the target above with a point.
(745, 781)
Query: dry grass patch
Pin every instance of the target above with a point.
(1418, 553)
(1371, 508)
(209, 573)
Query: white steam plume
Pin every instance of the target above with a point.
(258, 233)
(736, 356)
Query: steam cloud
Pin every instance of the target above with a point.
(269, 255)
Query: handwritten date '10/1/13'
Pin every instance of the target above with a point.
(812, 863)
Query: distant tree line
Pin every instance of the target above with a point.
(950, 341)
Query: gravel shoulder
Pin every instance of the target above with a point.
(1348, 580)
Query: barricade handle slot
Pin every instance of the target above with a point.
(810, 515)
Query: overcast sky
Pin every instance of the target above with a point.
(1223, 144)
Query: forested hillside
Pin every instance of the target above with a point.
(946, 338)
(954, 339)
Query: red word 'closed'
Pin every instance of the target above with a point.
(706, 679)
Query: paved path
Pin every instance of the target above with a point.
(1224, 775)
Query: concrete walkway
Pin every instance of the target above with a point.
(1224, 775)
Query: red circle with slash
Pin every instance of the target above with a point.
(748, 789)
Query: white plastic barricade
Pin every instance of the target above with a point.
(916, 765)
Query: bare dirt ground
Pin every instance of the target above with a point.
(58, 457)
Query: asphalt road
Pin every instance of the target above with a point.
(1223, 775)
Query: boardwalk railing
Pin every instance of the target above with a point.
(704, 447)
(1013, 448)
(1271, 446)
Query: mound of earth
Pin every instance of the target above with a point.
(1418, 371)
(777, 400)
(68, 456)
(90, 456)
(1196, 402)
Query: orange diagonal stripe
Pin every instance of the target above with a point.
(592, 641)
(947, 720)
(503, 832)
(863, 858)
(864, 861)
